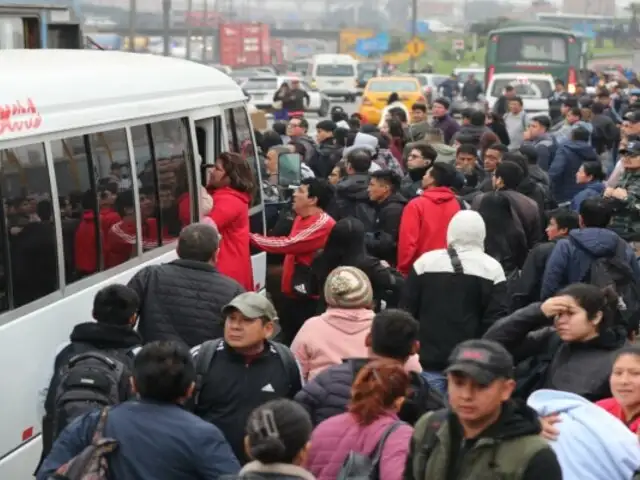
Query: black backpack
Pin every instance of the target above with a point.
(89, 380)
(614, 271)
(208, 350)
(366, 467)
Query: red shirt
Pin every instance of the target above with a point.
(308, 235)
(424, 225)
(612, 406)
(121, 240)
(85, 239)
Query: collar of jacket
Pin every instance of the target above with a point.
(194, 265)
(280, 468)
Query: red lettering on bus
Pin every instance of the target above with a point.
(19, 116)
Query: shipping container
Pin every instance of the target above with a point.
(244, 44)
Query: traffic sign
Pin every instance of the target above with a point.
(458, 44)
(415, 47)
(373, 45)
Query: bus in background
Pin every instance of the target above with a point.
(531, 48)
(25, 26)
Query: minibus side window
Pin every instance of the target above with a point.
(28, 250)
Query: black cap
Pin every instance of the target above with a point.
(632, 148)
(326, 125)
(482, 360)
(633, 117)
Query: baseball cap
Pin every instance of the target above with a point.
(633, 117)
(632, 148)
(252, 305)
(482, 360)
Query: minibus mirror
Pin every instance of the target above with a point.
(289, 169)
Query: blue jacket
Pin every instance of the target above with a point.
(155, 441)
(593, 189)
(562, 172)
(592, 444)
(570, 264)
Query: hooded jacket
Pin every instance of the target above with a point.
(411, 186)
(582, 368)
(480, 292)
(309, 147)
(538, 175)
(328, 338)
(562, 172)
(328, 154)
(572, 257)
(352, 200)
(474, 132)
(591, 189)
(231, 215)
(382, 242)
(424, 225)
(333, 440)
(446, 153)
(511, 448)
(591, 444)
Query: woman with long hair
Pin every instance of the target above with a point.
(496, 123)
(346, 247)
(505, 240)
(393, 129)
(231, 186)
(279, 98)
(371, 424)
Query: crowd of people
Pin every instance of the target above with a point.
(444, 302)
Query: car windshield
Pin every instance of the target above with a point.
(393, 86)
(261, 84)
(528, 88)
(328, 70)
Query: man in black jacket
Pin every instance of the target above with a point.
(393, 336)
(183, 299)
(115, 310)
(382, 241)
(527, 289)
(352, 199)
(328, 152)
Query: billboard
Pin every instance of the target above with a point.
(244, 44)
(349, 38)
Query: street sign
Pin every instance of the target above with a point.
(458, 44)
(372, 46)
(415, 47)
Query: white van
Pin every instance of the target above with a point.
(335, 75)
(534, 90)
(71, 121)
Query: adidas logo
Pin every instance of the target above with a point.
(268, 388)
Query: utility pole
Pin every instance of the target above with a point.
(166, 25)
(189, 19)
(133, 7)
(414, 30)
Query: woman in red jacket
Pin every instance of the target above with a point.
(231, 186)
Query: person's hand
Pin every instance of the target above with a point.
(554, 306)
(619, 193)
(549, 431)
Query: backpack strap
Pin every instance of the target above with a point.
(204, 357)
(290, 364)
(455, 261)
(98, 433)
(426, 439)
(377, 453)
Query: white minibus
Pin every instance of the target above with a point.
(335, 75)
(78, 128)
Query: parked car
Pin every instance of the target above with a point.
(261, 90)
(430, 83)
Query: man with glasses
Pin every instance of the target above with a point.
(297, 131)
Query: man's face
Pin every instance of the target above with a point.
(427, 180)
(378, 190)
(604, 100)
(535, 129)
(438, 110)
(474, 403)
(416, 160)
(294, 128)
(295, 85)
(243, 332)
(491, 159)
(301, 199)
(571, 119)
(509, 93)
(553, 230)
(515, 107)
(465, 162)
(418, 115)
(322, 135)
(564, 110)
(631, 161)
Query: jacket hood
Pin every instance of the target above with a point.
(443, 148)
(394, 198)
(583, 150)
(348, 321)
(466, 230)
(362, 140)
(596, 186)
(222, 193)
(354, 187)
(439, 195)
(418, 130)
(597, 241)
(105, 336)
(474, 131)
(516, 420)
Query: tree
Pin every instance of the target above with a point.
(634, 8)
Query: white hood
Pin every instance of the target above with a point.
(466, 230)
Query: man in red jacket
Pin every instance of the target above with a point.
(425, 218)
(309, 234)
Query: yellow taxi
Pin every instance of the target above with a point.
(376, 94)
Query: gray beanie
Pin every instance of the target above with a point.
(348, 287)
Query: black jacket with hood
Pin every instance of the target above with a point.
(328, 394)
(352, 200)
(582, 368)
(412, 183)
(382, 241)
(328, 154)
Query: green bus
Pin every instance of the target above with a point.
(536, 48)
